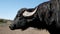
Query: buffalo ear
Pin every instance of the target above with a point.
(49, 21)
(50, 17)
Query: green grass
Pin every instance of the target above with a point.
(1, 22)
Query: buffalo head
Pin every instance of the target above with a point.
(24, 18)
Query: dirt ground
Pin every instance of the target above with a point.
(4, 29)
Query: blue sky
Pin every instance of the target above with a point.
(9, 8)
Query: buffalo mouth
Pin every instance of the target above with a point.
(14, 27)
(22, 29)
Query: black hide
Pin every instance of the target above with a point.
(44, 18)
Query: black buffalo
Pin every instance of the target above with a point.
(44, 16)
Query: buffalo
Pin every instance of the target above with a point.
(43, 16)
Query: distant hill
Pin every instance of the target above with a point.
(5, 20)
